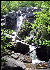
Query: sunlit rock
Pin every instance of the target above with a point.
(11, 64)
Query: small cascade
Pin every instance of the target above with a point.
(33, 55)
(19, 21)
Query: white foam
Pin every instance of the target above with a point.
(36, 61)
(31, 48)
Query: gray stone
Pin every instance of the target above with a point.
(15, 55)
(12, 14)
(49, 63)
(11, 20)
(12, 52)
(13, 63)
(27, 59)
(9, 53)
(23, 10)
(21, 57)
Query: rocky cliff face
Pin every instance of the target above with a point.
(25, 12)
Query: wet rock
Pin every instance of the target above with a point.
(6, 52)
(2, 54)
(12, 14)
(49, 63)
(11, 20)
(32, 9)
(27, 59)
(12, 68)
(21, 47)
(12, 63)
(30, 17)
(17, 38)
(15, 55)
(12, 52)
(23, 10)
(19, 13)
(9, 53)
(21, 57)
(41, 65)
(30, 66)
(36, 9)
(28, 9)
(43, 53)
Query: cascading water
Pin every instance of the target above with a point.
(33, 55)
(20, 21)
(18, 25)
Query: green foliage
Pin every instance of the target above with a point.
(25, 30)
(41, 27)
(7, 6)
(5, 38)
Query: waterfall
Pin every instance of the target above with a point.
(20, 20)
(33, 55)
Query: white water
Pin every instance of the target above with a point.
(19, 21)
(33, 55)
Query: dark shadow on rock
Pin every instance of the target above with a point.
(43, 53)
(20, 48)
(12, 68)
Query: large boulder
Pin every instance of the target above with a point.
(11, 20)
(32, 9)
(21, 47)
(16, 61)
(43, 53)
(12, 68)
(27, 59)
(23, 9)
(11, 64)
